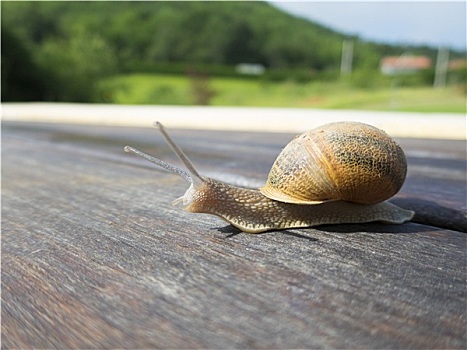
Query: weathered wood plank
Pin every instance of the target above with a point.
(94, 254)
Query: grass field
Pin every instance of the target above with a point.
(180, 90)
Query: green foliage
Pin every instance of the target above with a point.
(22, 79)
(67, 62)
(196, 32)
(75, 65)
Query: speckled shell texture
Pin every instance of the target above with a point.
(347, 161)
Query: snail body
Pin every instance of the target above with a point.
(379, 164)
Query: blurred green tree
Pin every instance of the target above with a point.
(22, 78)
(74, 65)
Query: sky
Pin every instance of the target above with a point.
(432, 23)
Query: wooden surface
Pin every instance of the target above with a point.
(95, 256)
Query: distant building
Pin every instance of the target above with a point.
(392, 65)
(250, 68)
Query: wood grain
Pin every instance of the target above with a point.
(95, 256)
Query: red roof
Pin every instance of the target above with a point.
(404, 64)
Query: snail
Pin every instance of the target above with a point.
(337, 173)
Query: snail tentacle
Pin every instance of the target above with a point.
(196, 177)
(167, 166)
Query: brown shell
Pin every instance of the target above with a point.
(347, 161)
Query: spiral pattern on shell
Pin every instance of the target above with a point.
(347, 161)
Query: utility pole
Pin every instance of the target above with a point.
(441, 69)
(347, 57)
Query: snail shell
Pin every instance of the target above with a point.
(346, 161)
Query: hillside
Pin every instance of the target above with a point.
(209, 32)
